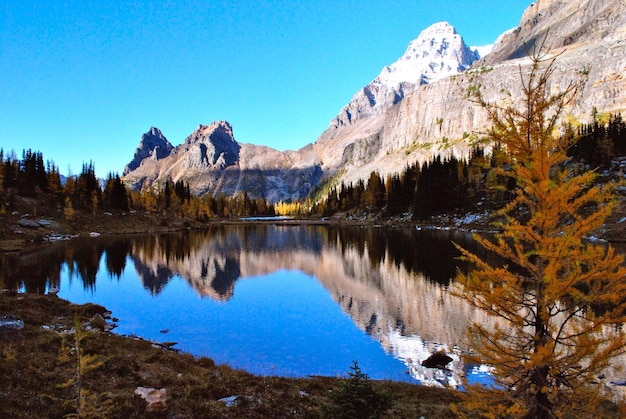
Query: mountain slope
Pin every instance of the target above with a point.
(212, 161)
(417, 107)
(437, 118)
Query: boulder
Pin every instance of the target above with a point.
(438, 359)
(23, 222)
(156, 398)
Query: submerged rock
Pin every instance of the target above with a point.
(438, 359)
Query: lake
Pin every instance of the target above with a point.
(274, 299)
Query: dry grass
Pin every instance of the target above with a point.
(32, 367)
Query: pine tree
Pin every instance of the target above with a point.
(115, 195)
(557, 296)
(375, 192)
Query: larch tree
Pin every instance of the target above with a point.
(557, 299)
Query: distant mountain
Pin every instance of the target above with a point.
(212, 161)
(153, 144)
(437, 118)
(416, 108)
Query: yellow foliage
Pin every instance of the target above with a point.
(558, 295)
(68, 210)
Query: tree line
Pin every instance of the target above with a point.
(440, 185)
(598, 143)
(32, 178)
(446, 184)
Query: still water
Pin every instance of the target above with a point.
(274, 299)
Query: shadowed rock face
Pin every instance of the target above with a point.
(154, 145)
(410, 114)
(212, 161)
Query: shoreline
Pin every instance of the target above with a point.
(38, 359)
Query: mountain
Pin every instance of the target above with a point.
(437, 118)
(353, 137)
(153, 144)
(212, 161)
(417, 107)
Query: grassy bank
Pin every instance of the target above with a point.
(41, 377)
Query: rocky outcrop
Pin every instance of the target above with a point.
(153, 145)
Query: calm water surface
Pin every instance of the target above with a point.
(274, 299)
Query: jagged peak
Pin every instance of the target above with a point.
(438, 52)
(205, 131)
(153, 144)
(154, 131)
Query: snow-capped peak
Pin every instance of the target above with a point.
(438, 52)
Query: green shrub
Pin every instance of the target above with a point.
(358, 397)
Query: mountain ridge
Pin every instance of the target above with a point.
(395, 120)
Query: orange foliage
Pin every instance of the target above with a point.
(558, 295)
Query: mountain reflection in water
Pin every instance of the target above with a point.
(278, 295)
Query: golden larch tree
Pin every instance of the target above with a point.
(557, 297)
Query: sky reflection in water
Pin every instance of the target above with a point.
(279, 300)
(283, 323)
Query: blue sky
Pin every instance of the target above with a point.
(83, 80)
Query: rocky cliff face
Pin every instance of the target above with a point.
(212, 161)
(153, 144)
(437, 118)
(353, 137)
(417, 107)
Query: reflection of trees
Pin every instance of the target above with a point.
(85, 260)
(209, 260)
(39, 270)
(427, 252)
(24, 271)
(116, 253)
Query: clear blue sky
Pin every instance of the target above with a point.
(83, 80)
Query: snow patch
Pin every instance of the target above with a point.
(438, 52)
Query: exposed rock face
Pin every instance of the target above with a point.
(212, 161)
(353, 137)
(437, 118)
(154, 145)
(573, 24)
(417, 107)
(212, 146)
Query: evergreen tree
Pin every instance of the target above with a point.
(31, 176)
(375, 192)
(10, 170)
(557, 297)
(87, 193)
(115, 195)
